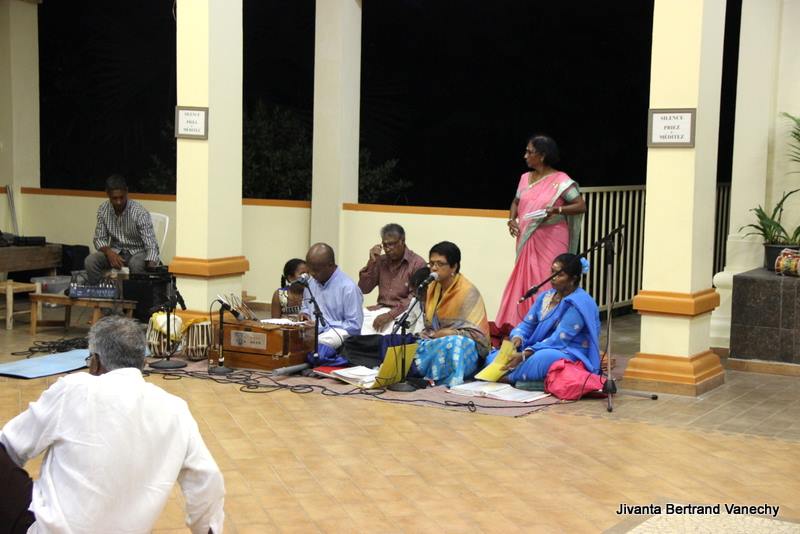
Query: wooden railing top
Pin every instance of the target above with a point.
(159, 197)
(91, 194)
(424, 210)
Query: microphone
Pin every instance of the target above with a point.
(528, 294)
(225, 306)
(302, 279)
(431, 278)
(290, 370)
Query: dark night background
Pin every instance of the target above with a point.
(449, 91)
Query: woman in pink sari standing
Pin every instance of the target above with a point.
(545, 217)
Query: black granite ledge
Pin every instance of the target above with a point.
(765, 317)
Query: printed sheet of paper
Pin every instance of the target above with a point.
(281, 320)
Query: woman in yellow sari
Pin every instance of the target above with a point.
(456, 336)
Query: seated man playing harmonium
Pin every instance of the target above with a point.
(124, 235)
(391, 272)
(337, 296)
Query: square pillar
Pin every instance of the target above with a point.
(337, 94)
(19, 99)
(208, 246)
(677, 298)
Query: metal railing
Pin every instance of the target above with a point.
(722, 216)
(606, 209)
(609, 207)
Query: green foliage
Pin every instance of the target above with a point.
(276, 161)
(379, 183)
(160, 176)
(794, 146)
(769, 226)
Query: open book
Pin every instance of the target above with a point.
(359, 376)
(494, 390)
(327, 370)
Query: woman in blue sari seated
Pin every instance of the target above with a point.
(563, 323)
(456, 335)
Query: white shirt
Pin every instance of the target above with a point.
(115, 447)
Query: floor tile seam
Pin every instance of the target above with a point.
(678, 427)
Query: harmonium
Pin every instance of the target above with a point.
(256, 345)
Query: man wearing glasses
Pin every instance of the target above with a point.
(391, 272)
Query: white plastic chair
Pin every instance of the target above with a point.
(160, 227)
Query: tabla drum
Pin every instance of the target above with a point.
(156, 340)
(157, 334)
(198, 339)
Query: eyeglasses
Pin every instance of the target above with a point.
(390, 245)
(529, 152)
(437, 264)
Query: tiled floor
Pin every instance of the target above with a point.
(309, 463)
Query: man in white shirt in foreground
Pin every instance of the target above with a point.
(114, 446)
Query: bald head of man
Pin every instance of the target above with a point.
(321, 262)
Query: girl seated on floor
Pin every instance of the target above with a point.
(288, 299)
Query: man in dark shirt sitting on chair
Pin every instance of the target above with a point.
(124, 235)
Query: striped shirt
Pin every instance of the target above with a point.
(131, 231)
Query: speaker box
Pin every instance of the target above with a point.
(148, 292)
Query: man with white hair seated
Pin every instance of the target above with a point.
(114, 447)
(391, 272)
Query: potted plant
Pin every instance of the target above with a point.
(769, 227)
(775, 236)
(794, 147)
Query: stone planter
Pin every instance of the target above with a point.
(765, 317)
(771, 253)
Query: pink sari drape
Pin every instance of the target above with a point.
(536, 256)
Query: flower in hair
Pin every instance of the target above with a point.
(584, 266)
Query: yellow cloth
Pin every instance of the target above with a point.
(460, 307)
(494, 371)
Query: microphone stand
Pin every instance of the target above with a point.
(535, 289)
(318, 319)
(169, 308)
(600, 242)
(609, 243)
(220, 368)
(402, 323)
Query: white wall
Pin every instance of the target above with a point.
(71, 219)
(273, 234)
(487, 250)
(785, 175)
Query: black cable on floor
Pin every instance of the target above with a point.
(50, 347)
(251, 382)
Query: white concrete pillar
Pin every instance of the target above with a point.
(677, 298)
(208, 248)
(784, 174)
(337, 93)
(19, 99)
(759, 51)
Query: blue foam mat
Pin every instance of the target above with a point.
(52, 364)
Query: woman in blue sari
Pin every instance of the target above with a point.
(563, 323)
